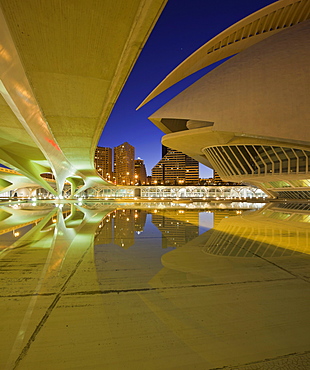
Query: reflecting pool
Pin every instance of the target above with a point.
(155, 285)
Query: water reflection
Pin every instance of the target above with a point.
(270, 232)
(129, 269)
(119, 227)
(241, 242)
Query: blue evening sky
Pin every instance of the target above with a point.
(182, 28)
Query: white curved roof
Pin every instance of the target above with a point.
(262, 91)
(249, 31)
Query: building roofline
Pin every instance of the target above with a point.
(250, 30)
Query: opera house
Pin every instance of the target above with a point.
(249, 117)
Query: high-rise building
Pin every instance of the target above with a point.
(175, 168)
(164, 150)
(191, 170)
(124, 164)
(103, 162)
(216, 178)
(140, 172)
(148, 180)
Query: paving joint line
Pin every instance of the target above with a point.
(118, 291)
(47, 313)
(266, 360)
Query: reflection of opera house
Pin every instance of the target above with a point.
(276, 234)
(249, 117)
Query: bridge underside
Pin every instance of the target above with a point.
(62, 67)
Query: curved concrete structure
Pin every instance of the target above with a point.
(13, 182)
(249, 118)
(250, 30)
(62, 67)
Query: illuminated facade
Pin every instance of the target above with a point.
(216, 178)
(175, 168)
(140, 172)
(103, 162)
(124, 164)
(219, 181)
(248, 118)
(176, 192)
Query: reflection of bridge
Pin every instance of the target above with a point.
(207, 304)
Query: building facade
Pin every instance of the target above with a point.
(103, 162)
(140, 172)
(175, 168)
(124, 164)
(216, 178)
(249, 118)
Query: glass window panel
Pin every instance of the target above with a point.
(280, 184)
(300, 183)
(229, 161)
(236, 158)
